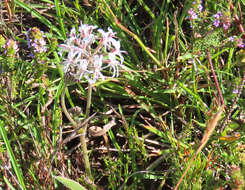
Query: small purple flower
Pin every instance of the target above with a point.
(235, 91)
(200, 8)
(217, 18)
(10, 47)
(35, 41)
(231, 39)
(240, 43)
(226, 26)
(218, 15)
(192, 14)
(216, 23)
(15, 46)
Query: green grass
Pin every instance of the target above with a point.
(161, 101)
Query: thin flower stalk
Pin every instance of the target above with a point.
(89, 52)
(82, 131)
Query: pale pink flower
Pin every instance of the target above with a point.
(90, 51)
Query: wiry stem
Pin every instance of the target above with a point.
(82, 131)
(64, 107)
(215, 80)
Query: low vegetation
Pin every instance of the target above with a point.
(122, 94)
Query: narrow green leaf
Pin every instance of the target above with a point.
(8, 183)
(39, 16)
(11, 155)
(69, 183)
(195, 96)
(58, 12)
(148, 10)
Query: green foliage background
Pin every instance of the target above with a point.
(161, 103)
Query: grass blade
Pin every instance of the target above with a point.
(58, 12)
(40, 17)
(8, 183)
(11, 155)
(69, 183)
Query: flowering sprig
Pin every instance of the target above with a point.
(195, 10)
(217, 28)
(221, 20)
(237, 41)
(192, 14)
(9, 48)
(217, 18)
(36, 41)
(240, 43)
(90, 52)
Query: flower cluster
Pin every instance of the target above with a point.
(36, 41)
(90, 51)
(192, 12)
(220, 19)
(217, 17)
(238, 41)
(219, 23)
(9, 50)
(236, 90)
(10, 47)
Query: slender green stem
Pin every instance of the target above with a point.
(82, 131)
(64, 107)
(15, 165)
(88, 101)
